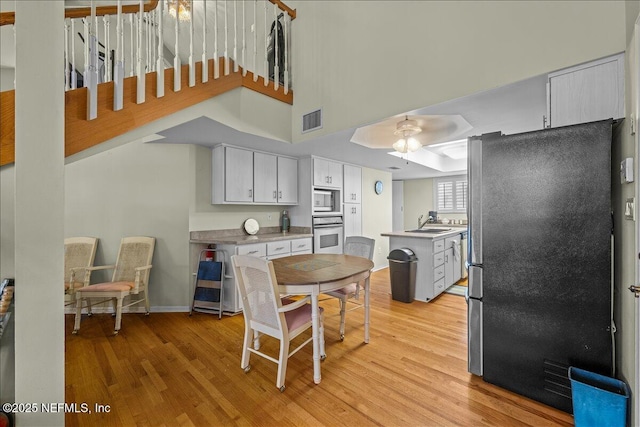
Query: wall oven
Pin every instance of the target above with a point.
(326, 202)
(328, 235)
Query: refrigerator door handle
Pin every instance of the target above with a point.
(474, 209)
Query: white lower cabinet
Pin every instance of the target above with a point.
(438, 265)
(231, 301)
(452, 260)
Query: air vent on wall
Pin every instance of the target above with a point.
(312, 121)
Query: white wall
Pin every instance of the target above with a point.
(7, 221)
(626, 249)
(376, 212)
(39, 212)
(136, 189)
(412, 54)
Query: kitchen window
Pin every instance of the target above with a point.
(450, 194)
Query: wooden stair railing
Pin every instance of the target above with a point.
(81, 134)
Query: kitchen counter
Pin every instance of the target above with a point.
(454, 230)
(239, 237)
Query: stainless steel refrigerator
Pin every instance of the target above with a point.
(540, 255)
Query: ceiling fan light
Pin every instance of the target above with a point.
(413, 144)
(401, 145)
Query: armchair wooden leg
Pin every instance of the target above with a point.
(118, 315)
(282, 364)
(76, 326)
(343, 312)
(246, 354)
(323, 354)
(146, 301)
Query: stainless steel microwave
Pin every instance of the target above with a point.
(326, 201)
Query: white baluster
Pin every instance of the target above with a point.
(107, 49)
(177, 65)
(160, 62)
(91, 66)
(276, 65)
(140, 70)
(67, 76)
(266, 46)
(118, 69)
(131, 50)
(86, 24)
(255, 40)
(205, 60)
(148, 44)
(192, 65)
(244, 42)
(216, 60)
(287, 23)
(226, 41)
(235, 37)
(74, 74)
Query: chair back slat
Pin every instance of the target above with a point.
(78, 252)
(255, 278)
(134, 252)
(359, 246)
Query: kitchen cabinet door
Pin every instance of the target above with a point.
(352, 179)
(265, 186)
(587, 92)
(352, 219)
(327, 173)
(238, 177)
(452, 272)
(287, 180)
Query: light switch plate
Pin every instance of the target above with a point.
(626, 170)
(630, 209)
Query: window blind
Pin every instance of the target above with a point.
(451, 194)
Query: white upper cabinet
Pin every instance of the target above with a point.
(242, 176)
(587, 92)
(327, 173)
(238, 175)
(287, 180)
(352, 184)
(265, 169)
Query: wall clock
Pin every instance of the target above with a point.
(378, 187)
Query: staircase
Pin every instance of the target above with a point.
(101, 111)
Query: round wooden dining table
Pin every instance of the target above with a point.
(313, 274)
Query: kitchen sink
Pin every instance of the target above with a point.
(429, 230)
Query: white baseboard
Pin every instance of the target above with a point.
(99, 309)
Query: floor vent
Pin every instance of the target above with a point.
(312, 121)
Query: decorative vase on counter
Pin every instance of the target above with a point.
(284, 222)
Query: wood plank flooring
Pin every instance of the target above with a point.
(169, 369)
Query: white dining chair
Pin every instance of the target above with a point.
(357, 246)
(265, 313)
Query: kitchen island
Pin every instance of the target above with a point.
(439, 256)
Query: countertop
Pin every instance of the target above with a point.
(455, 229)
(239, 237)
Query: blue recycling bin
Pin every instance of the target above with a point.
(598, 401)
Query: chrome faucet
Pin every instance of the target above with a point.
(428, 220)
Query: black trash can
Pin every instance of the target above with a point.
(402, 271)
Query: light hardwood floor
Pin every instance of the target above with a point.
(170, 369)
